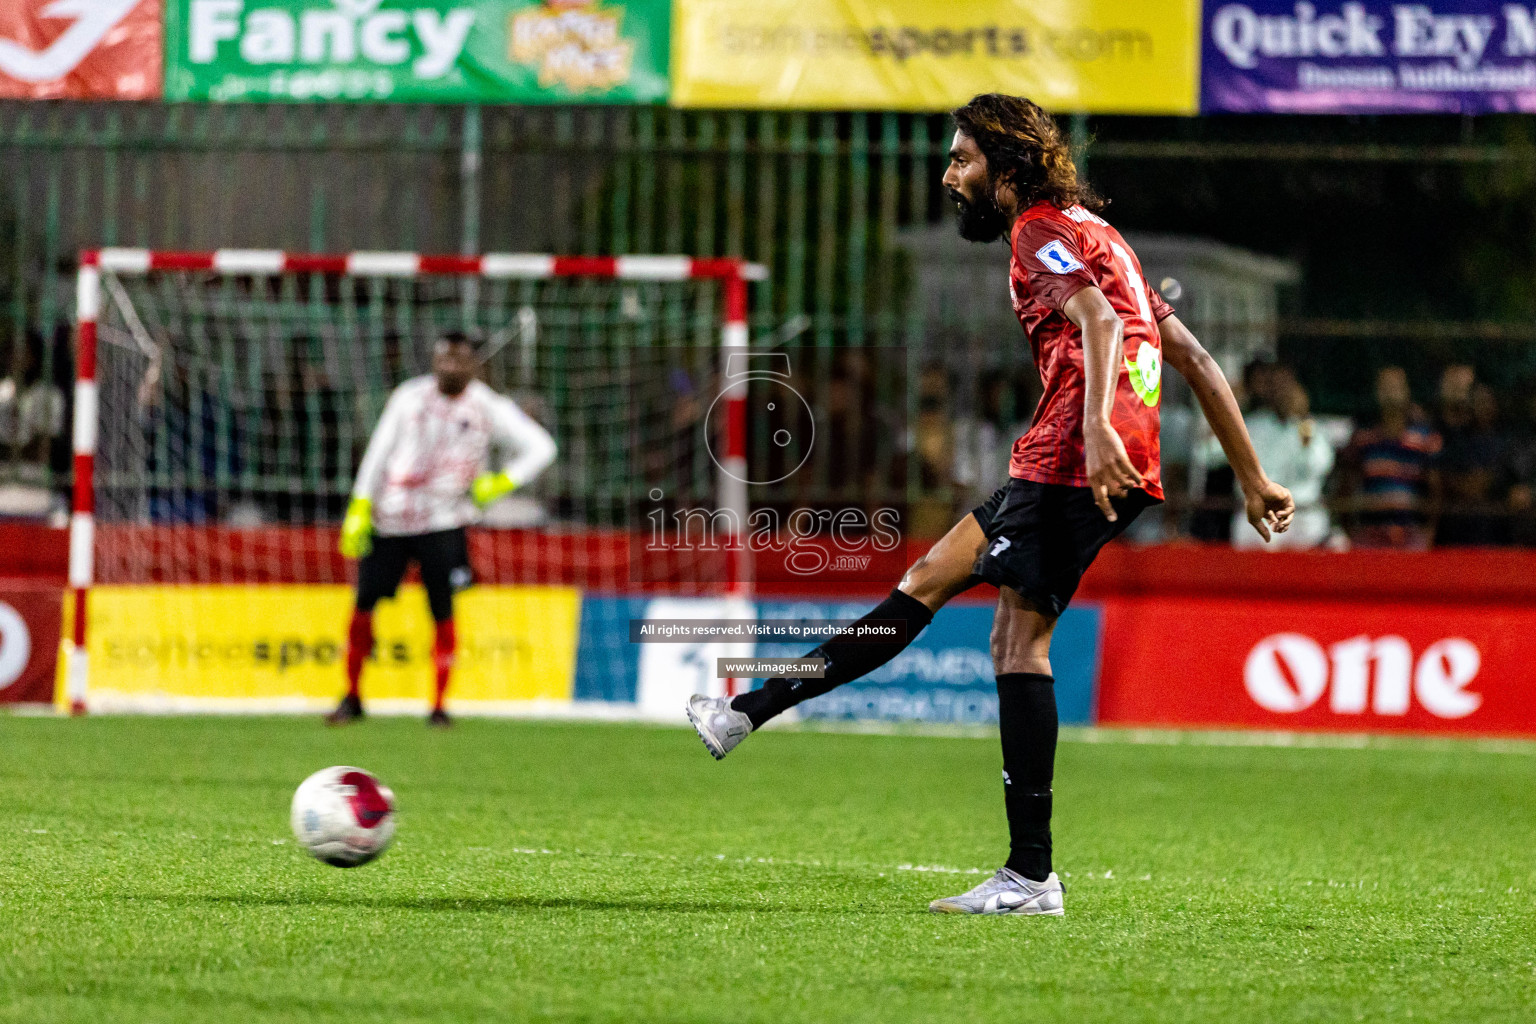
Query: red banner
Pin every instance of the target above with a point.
(29, 640)
(1318, 665)
(81, 49)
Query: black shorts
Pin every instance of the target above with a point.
(444, 560)
(1041, 538)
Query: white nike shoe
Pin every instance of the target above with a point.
(720, 727)
(1006, 892)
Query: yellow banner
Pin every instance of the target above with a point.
(1092, 56)
(285, 646)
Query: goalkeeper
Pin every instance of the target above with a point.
(423, 479)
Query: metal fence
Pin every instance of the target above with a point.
(826, 200)
(844, 208)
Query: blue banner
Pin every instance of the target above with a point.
(1439, 56)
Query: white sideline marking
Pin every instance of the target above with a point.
(720, 858)
(1181, 737)
(851, 866)
(102, 700)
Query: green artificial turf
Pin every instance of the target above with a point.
(557, 871)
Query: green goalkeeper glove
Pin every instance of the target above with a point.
(357, 529)
(490, 488)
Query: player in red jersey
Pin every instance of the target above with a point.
(1087, 466)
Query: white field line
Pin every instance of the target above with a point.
(112, 703)
(854, 867)
(1189, 737)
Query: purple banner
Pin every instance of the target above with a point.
(1368, 57)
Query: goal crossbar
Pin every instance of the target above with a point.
(732, 273)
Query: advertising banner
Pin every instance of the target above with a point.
(284, 647)
(474, 51)
(29, 640)
(1318, 665)
(1368, 56)
(80, 49)
(1101, 56)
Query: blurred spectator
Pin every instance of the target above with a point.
(1520, 468)
(933, 448)
(984, 438)
(856, 422)
(1296, 455)
(31, 417)
(1472, 466)
(191, 441)
(1453, 411)
(1389, 469)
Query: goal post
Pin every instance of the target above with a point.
(199, 429)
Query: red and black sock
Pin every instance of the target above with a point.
(1026, 718)
(847, 659)
(442, 658)
(359, 646)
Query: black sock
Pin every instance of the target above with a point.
(1026, 717)
(847, 660)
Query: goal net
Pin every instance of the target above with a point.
(226, 399)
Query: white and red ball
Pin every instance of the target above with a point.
(343, 816)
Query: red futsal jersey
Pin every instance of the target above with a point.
(1056, 254)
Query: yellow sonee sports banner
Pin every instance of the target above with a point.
(1096, 56)
(283, 648)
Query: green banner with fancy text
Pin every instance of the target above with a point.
(452, 51)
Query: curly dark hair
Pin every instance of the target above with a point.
(1022, 142)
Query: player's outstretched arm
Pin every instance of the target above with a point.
(1269, 506)
(530, 450)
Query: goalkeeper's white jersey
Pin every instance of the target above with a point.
(428, 448)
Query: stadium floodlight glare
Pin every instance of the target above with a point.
(236, 379)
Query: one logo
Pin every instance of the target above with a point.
(1003, 544)
(311, 820)
(1058, 259)
(460, 577)
(93, 20)
(1289, 672)
(1146, 373)
(15, 645)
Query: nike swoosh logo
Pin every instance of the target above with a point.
(1011, 900)
(93, 20)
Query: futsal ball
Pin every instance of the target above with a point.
(343, 816)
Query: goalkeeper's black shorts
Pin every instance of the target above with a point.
(443, 558)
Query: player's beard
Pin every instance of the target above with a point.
(981, 219)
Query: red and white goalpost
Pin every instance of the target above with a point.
(103, 273)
